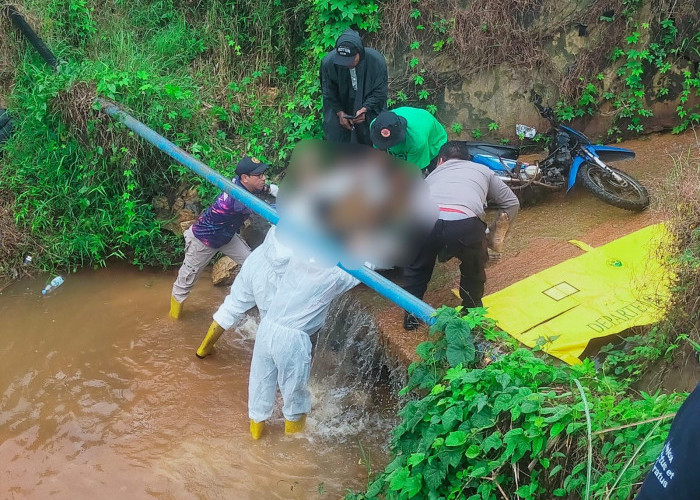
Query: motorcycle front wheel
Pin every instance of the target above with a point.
(625, 192)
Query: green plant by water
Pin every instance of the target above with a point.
(516, 427)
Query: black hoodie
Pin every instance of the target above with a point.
(338, 94)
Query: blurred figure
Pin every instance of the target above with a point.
(352, 204)
(354, 83)
(255, 285)
(217, 230)
(672, 477)
(282, 352)
(411, 134)
(461, 190)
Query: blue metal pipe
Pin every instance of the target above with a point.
(378, 283)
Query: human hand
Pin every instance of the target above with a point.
(360, 116)
(344, 122)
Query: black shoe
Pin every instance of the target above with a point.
(410, 322)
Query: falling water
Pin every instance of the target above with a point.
(352, 380)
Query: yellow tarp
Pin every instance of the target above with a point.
(602, 292)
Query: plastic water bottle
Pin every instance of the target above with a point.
(55, 283)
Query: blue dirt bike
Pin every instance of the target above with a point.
(572, 157)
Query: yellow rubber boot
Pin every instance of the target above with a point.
(215, 331)
(292, 427)
(175, 308)
(256, 429)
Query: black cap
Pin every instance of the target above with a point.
(344, 54)
(387, 130)
(250, 165)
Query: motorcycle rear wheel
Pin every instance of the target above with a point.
(628, 194)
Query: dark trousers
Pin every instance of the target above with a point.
(464, 239)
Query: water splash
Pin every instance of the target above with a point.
(353, 381)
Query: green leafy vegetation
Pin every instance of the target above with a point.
(516, 427)
(653, 57)
(219, 78)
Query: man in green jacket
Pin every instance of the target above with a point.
(411, 134)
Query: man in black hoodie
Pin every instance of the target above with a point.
(355, 84)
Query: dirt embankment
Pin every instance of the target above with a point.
(539, 238)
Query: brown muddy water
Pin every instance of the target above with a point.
(101, 396)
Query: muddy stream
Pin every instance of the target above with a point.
(104, 398)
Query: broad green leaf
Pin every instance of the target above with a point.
(529, 406)
(556, 429)
(460, 343)
(483, 419)
(574, 426)
(452, 414)
(493, 442)
(526, 490)
(503, 379)
(398, 479)
(554, 470)
(454, 373)
(537, 444)
(473, 376)
(437, 389)
(415, 459)
(433, 476)
(375, 488)
(425, 350)
(479, 471)
(473, 451)
(502, 402)
(516, 443)
(413, 485)
(456, 438)
(578, 468)
(450, 457)
(558, 412)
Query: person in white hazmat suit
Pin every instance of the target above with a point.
(255, 285)
(282, 352)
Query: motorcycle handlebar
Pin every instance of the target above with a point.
(545, 112)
